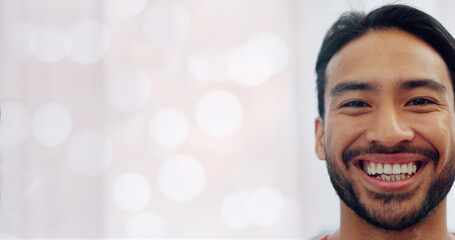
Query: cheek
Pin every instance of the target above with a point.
(439, 132)
(341, 134)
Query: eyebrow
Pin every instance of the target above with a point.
(427, 83)
(343, 87)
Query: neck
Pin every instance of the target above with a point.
(352, 227)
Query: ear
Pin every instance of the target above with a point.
(320, 139)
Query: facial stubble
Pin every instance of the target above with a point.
(389, 217)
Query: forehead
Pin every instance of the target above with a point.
(384, 57)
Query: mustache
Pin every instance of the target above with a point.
(350, 153)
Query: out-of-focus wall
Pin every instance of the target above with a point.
(165, 118)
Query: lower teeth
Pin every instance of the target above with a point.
(393, 177)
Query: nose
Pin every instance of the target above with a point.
(389, 129)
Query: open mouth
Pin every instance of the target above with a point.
(390, 171)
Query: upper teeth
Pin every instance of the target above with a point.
(386, 168)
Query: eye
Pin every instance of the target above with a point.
(420, 102)
(355, 104)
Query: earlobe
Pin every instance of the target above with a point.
(320, 140)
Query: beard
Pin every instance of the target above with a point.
(391, 216)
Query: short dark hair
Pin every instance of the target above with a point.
(352, 25)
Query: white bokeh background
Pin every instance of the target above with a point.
(166, 118)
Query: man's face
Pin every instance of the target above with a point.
(388, 129)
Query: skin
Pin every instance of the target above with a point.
(389, 115)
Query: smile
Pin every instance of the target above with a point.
(390, 171)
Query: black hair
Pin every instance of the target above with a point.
(352, 25)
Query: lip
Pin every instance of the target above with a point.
(391, 186)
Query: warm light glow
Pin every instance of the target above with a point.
(51, 124)
(219, 113)
(252, 63)
(234, 210)
(181, 178)
(131, 192)
(266, 207)
(126, 8)
(90, 41)
(154, 119)
(165, 22)
(168, 127)
(209, 64)
(127, 88)
(274, 50)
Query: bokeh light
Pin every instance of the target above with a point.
(181, 178)
(89, 152)
(240, 67)
(49, 44)
(127, 87)
(126, 8)
(274, 49)
(234, 210)
(168, 127)
(90, 41)
(14, 124)
(265, 207)
(51, 124)
(131, 192)
(145, 225)
(208, 64)
(252, 63)
(165, 22)
(163, 119)
(219, 113)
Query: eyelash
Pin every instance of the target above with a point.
(355, 104)
(425, 100)
(413, 102)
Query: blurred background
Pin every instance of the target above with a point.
(166, 118)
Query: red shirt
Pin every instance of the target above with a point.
(325, 237)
